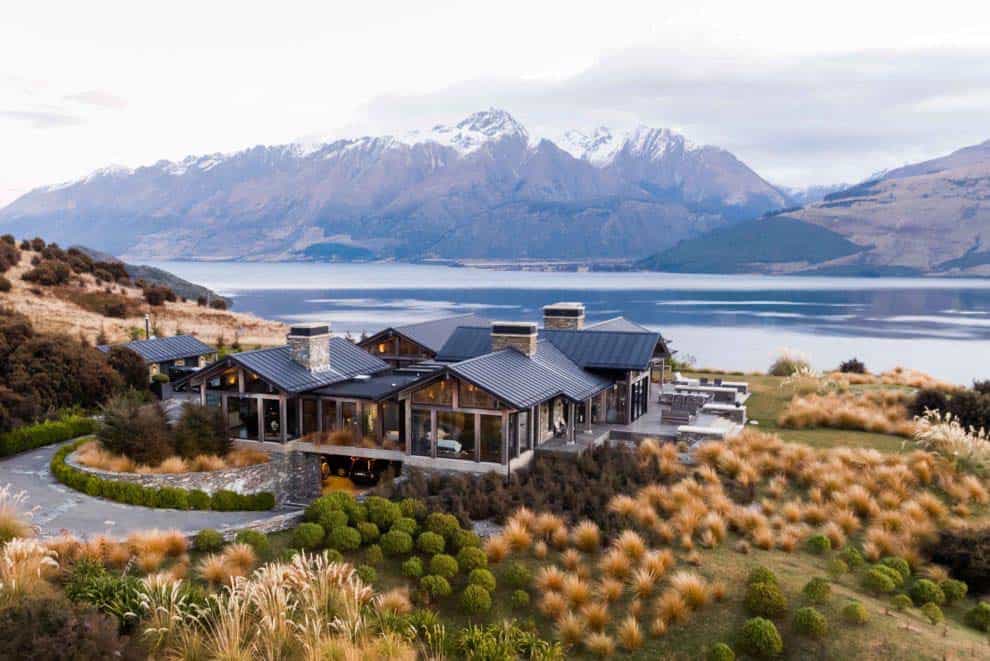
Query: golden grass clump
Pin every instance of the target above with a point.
(150, 561)
(615, 564)
(540, 550)
(643, 582)
(596, 615)
(873, 411)
(576, 590)
(517, 535)
(93, 455)
(396, 601)
(214, 570)
(623, 505)
(570, 629)
(610, 589)
(553, 604)
(693, 588)
(630, 635)
(560, 538)
(600, 645)
(496, 548)
(835, 534)
(631, 544)
(15, 518)
(545, 524)
(671, 607)
(658, 561)
(550, 579)
(570, 558)
(719, 590)
(658, 627)
(240, 556)
(587, 536)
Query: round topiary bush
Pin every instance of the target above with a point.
(373, 555)
(809, 622)
(475, 599)
(464, 538)
(430, 543)
(900, 565)
(444, 565)
(337, 501)
(817, 590)
(765, 599)
(208, 540)
(818, 544)
(470, 558)
(761, 575)
(396, 542)
(482, 577)
(435, 587)
(924, 592)
(519, 599)
(953, 590)
(369, 532)
(933, 613)
(412, 568)
(517, 575)
(836, 567)
(382, 511)
(852, 557)
(406, 524)
(721, 652)
(855, 613)
(413, 508)
(333, 519)
(759, 638)
(344, 538)
(366, 573)
(901, 602)
(878, 581)
(256, 540)
(443, 524)
(333, 555)
(307, 536)
(978, 616)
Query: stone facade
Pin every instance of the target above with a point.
(309, 345)
(563, 316)
(519, 336)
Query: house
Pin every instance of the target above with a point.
(174, 356)
(483, 399)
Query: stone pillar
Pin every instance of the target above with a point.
(520, 336)
(564, 316)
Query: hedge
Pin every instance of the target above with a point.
(130, 493)
(34, 436)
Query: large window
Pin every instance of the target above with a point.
(242, 418)
(455, 435)
(523, 435)
(385, 347)
(407, 348)
(310, 424)
(368, 425)
(438, 392)
(491, 438)
(272, 419)
(329, 414)
(470, 396)
(254, 383)
(422, 433)
(393, 421)
(225, 381)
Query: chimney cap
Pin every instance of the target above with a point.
(310, 329)
(513, 328)
(564, 309)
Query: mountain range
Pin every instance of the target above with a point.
(481, 188)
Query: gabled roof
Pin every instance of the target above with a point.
(464, 343)
(161, 349)
(276, 366)
(434, 333)
(617, 324)
(525, 381)
(375, 388)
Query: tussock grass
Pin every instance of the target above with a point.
(93, 455)
(879, 411)
(587, 536)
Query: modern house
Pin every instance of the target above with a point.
(174, 356)
(460, 393)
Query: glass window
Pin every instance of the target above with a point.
(214, 398)
(273, 419)
(491, 438)
(455, 435)
(242, 418)
(368, 425)
(292, 418)
(225, 381)
(254, 383)
(393, 420)
(523, 433)
(309, 420)
(344, 435)
(329, 414)
(470, 396)
(407, 348)
(438, 392)
(422, 433)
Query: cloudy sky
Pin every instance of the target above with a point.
(806, 93)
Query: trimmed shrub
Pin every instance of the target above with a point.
(45, 433)
(442, 524)
(435, 587)
(430, 543)
(464, 539)
(836, 567)
(366, 573)
(224, 500)
(382, 512)
(482, 577)
(818, 544)
(518, 575)
(406, 525)
(924, 591)
(307, 536)
(855, 613)
(759, 638)
(519, 599)
(899, 565)
(199, 500)
(208, 540)
(444, 565)
(470, 558)
(721, 652)
(901, 602)
(413, 508)
(369, 532)
(256, 540)
(852, 557)
(476, 600)
(412, 568)
(809, 622)
(761, 575)
(933, 613)
(396, 542)
(334, 519)
(978, 616)
(373, 555)
(765, 599)
(325, 504)
(878, 581)
(817, 590)
(343, 538)
(953, 590)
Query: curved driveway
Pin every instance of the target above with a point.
(59, 508)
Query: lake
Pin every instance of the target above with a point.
(741, 322)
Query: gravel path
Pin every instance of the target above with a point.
(59, 508)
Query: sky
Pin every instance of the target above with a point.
(805, 93)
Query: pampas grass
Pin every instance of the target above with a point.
(587, 536)
(630, 635)
(14, 515)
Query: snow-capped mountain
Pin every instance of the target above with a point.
(483, 187)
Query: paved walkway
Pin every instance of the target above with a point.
(59, 508)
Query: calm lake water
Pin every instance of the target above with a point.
(736, 322)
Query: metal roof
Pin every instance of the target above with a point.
(161, 349)
(434, 333)
(617, 324)
(525, 381)
(466, 342)
(374, 388)
(276, 366)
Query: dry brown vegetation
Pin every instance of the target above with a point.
(93, 455)
(880, 411)
(899, 376)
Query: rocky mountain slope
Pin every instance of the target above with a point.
(481, 188)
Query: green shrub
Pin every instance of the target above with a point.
(924, 591)
(817, 590)
(809, 622)
(356, 513)
(223, 501)
(343, 538)
(373, 555)
(978, 616)
(435, 587)
(818, 544)
(470, 558)
(413, 508)
(899, 565)
(171, 498)
(765, 599)
(759, 638)
(464, 539)
(406, 525)
(852, 557)
(953, 590)
(412, 568)
(519, 599)
(90, 583)
(931, 611)
(444, 565)
(836, 567)
(323, 505)
(259, 502)
(788, 364)
(482, 577)
(333, 519)
(518, 575)
(901, 602)
(430, 543)
(878, 581)
(307, 536)
(855, 613)
(199, 500)
(45, 433)
(382, 512)
(333, 555)
(200, 430)
(368, 531)
(721, 652)
(442, 524)
(256, 540)
(366, 573)
(476, 600)
(396, 542)
(761, 575)
(41, 626)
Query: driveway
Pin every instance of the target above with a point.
(59, 508)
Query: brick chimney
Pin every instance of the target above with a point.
(564, 316)
(520, 335)
(309, 345)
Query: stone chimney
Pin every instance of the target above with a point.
(309, 345)
(520, 335)
(563, 316)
